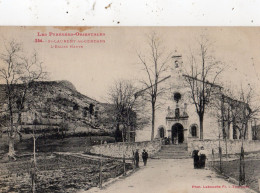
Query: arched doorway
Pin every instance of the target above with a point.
(177, 133)
(161, 132)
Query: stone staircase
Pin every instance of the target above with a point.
(179, 151)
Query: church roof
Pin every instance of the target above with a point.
(207, 82)
(139, 92)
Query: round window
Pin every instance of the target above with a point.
(177, 96)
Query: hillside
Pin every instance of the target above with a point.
(54, 102)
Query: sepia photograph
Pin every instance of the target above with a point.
(129, 109)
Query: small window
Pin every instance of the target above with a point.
(194, 131)
(177, 113)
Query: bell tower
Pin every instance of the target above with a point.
(177, 63)
(177, 111)
(177, 71)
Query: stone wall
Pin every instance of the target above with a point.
(233, 146)
(117, 149)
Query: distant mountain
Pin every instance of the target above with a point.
(55, 102)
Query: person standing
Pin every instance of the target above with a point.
(196, 158)
(137, 159)
(202, 157)
(145, 157)
(133, 158)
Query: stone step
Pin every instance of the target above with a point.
(175, 147)
(171, 153)
(173, 150)
(180, 145)
(171, 157)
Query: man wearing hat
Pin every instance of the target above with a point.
(145, 157)
(136, 158)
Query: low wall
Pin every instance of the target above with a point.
(233, 146)
(117, 149)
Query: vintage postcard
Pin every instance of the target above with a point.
(129, 109)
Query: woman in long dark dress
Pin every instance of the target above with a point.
(196, 159)
(202, 157)
(202, 160)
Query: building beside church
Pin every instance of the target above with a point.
(177, 119)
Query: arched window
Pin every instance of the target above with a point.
(193, 131)
(161, 132)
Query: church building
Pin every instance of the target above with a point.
(177, 120)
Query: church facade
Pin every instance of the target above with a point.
(177, 120)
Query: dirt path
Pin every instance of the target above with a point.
(170, 176)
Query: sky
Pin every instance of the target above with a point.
(93, 68)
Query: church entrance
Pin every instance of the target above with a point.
(177, 133)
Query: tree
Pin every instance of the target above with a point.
(243, 113)
(18, 73)
(201, 78)
(34, 162)
(222, 111)
(243, 110)
(124, 106)
(155, 65)
(255, 130)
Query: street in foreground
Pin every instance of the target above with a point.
(171, 176)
